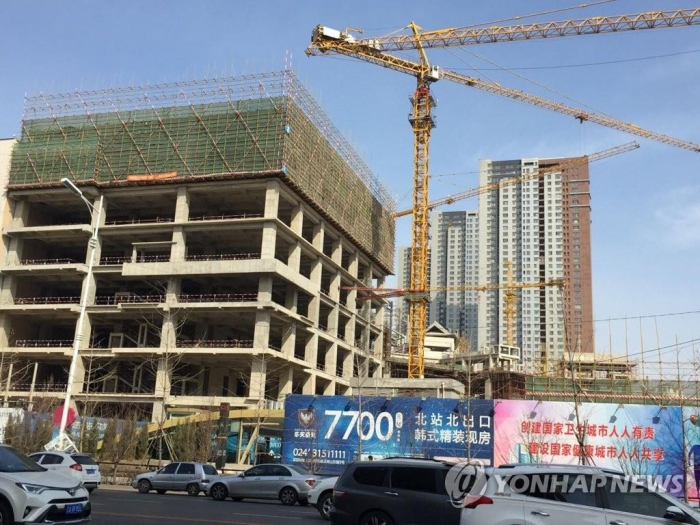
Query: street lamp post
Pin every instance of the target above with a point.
(83, 305)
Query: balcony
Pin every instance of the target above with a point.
(149, 220)
(72, 299)
(223, 257)
(218, 298)
(43, 343)
(36, 262)
(215, 343)
(225, 217)
(113, 300)
(114, 261)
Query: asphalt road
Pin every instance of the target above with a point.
(119, 507)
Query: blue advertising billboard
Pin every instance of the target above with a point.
(322, 433)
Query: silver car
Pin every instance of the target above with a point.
(288, 483)
(187, 476)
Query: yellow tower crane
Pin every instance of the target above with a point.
(376, 51)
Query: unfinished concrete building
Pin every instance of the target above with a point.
(231, 215)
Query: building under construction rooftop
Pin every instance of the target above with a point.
(231, 213)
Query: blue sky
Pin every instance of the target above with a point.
(646, 204)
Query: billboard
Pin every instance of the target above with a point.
(640, 440)
(324, 433)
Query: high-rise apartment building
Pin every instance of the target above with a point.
(542, 227)
(454, 256)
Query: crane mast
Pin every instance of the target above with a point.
(422, 123)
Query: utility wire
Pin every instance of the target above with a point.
(587, 64)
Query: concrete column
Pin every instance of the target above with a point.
(294, 256)
(269, 241)
(8, 385)
(333, 321)
(315, 302)
(347, 365)
(178, 251)
(309, 387)
(337, 252)
(258, 377)
(381, 310)
(272, 199)
(291, 299)
(354, 264)
(164, 376)
(319, 234)
(216, 380)
(79, 381)
(265, 288)
(289, 339)
(14, 251)
(261, 336)
(8, 290)
(286, 378)
(350, 330)
(20, 214)
(331, 359)
(335, 287)
(311, 350)
(297, 224)
(182, 206)
(5, 330)
(329, 389)
(86, 342)
(168, 335)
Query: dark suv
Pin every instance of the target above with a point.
(393, 491)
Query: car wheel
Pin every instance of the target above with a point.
(144, 486)
(324, 505)
(219, 492)
(376, 517)
(288, 496)
(5, 515)
(193, 489)
(161, 491)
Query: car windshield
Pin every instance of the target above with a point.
(84, 460)
(300, 470)
(13, 461)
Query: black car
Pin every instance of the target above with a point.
(394, 492)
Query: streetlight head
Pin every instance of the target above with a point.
(72, 187)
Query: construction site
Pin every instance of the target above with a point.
(231, 214)
(244, 248)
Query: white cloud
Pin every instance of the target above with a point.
(679, 217)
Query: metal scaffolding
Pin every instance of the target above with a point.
(263, 125)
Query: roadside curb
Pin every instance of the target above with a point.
(121, 488)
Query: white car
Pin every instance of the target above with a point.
(564, 494)
(321, 496)
(30, 494)
(81, 466)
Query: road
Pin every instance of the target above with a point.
(121, 507)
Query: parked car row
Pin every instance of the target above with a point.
(289, 484)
